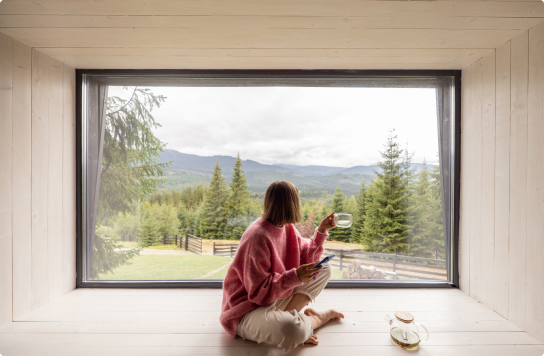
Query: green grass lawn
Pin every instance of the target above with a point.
(219, 275)
(127, 244)
(157, 267)
(336, 273)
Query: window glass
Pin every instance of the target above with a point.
(183, 171)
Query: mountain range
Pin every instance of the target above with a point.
(188, 169)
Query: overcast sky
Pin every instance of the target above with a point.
(340, 127)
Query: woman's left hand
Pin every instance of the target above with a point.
(326, 224)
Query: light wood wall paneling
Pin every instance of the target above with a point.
(420, 55)
(40, 178)
(475, 223)
(465, 206)
(54, 190)
(69, 181)
(172, 58)
(518, 180)
(6, 212)
(271, 38)
(535, 187)
(502, 180)
(22, 179)
(271, 22)
(276, 8)
(488, 179)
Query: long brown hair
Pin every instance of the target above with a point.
(281, 204)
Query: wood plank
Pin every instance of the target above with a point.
(476, 182)
(40, 176)
(439, 339)
(271, 38)
(45, 314)
(96, 301)
(6, 193)
(69, 181)
(321, 350)
(502, 180)
(465, 186)
(238, 58)
(535, 186)
(271, 22)
(131, 306)
(225, 340)
(55, 184)
(518, 180)
(22, 178)
(488, 179)
(276, 8)
(185, 292)
(214, 327)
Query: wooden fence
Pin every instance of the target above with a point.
(188, 242)
(402, 266)
(129, 237)
(399, 265)
(191, 243)
(225, 249)
(169, 239)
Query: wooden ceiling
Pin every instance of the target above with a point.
(267, 34)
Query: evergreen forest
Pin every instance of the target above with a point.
(400, 211)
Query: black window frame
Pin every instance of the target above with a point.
(258, 77)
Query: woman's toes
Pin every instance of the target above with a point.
(312, 340)
(336, 315)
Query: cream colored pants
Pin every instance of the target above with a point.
(287, 329)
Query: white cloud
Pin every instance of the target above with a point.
(292, 125)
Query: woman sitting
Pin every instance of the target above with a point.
(271, 278)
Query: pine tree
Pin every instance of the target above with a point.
(238, 200)
(214, 215)
(437, 220)
(385, 221)
(168, 220)
(359, 217)
(339, 234)
(129, 169)
(237, 204)
(149, 226)
(306, 228)
(325, 210)
(420, 235)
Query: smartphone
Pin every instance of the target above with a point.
(325, 260)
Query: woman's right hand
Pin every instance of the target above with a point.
(327, 223)
(306, 274)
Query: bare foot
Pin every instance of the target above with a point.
(321, 318)
(312, 340)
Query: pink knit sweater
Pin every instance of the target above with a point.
(264, 269)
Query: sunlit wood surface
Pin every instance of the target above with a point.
(502, 181)
(185, 322)
(278, 34)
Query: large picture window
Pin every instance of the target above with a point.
(174, 165)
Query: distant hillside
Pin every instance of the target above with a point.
(259, 180)
(188, 170)
(206, 164)
(314, 170)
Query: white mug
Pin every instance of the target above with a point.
(343, 220)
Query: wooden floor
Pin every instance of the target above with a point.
(137, 322)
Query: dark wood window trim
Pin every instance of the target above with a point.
(375, 78)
